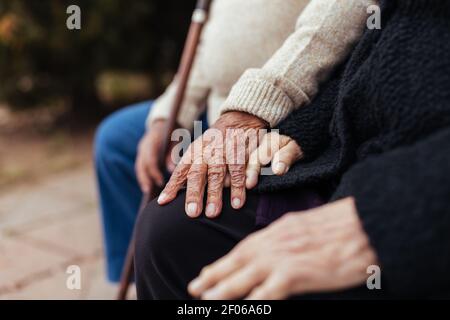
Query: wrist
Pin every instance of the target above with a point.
(239, 119)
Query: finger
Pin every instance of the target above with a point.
(284, 158)
(154, 172)
(237, 185)
(236, 285)
(196, 181)
(142, 178)
(176, 181)
(276, 287)
(216, 177)
(147, 156)
(269, 145)
(253, 170)
(236, 157)
(212, 274)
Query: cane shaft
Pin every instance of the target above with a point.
(199, 18)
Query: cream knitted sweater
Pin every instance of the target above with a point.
(282, 50)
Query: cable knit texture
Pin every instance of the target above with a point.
(326, 33)
(387, 144)
(238, 35)
(303, 45)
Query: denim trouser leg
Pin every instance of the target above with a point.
(115, 153)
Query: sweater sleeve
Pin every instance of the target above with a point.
(325, 34)
(403, 199)
(310, 126)
(194, 102)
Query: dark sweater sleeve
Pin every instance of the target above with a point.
(309, 125)
(403, 200)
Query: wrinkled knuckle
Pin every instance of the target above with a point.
(215, 185)
(216, 172)
(214, 180)
(236, 168)
(196, 169)
(173, 183)
(177, 175)
(192, 194)
(214, 191)
(238, 182)
(237, 179)
(193, 175)
(169, 189)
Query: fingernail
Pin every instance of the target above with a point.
(210, 210)
(162, 197)
(236, 203)
(280, 168)
(192, 209)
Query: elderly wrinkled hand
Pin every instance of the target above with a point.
(146, 167)
(323, 249)
(223, 149)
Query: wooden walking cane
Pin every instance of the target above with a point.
(199, 18)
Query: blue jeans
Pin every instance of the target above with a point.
(115, 151)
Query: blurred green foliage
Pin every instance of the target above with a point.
(42, 61)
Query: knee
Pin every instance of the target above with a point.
(107, 138)
(162, 231)
(157, 226)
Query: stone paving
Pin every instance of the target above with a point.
(46, 227)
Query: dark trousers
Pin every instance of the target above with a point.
(172, 248)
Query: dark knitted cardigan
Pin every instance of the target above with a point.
(380, 131)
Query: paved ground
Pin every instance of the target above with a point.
(46, 227)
